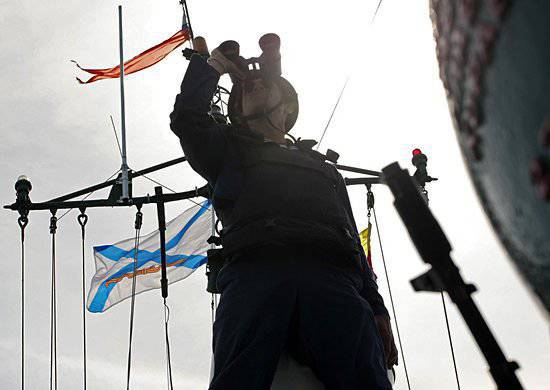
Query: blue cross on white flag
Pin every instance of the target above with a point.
(186, 248)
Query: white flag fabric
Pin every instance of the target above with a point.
(186, 248)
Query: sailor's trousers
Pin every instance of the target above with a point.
(273, 301)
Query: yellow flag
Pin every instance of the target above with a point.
(365, 243)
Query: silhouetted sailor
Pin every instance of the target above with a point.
(295, 276)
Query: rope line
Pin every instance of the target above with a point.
(425, 194)
(116, 135)
(391, 299)
(87, 196)
(139, 219)
(344, 87)
(450, 339)
(53, 308)
(167, 339)
(22, 221)
(82, 220)
(376, 11)
(332, 113)
(171, 190)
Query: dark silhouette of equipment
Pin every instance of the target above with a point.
(420, 161)
(434, 248)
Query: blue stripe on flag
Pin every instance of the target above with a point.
(103, 291)
(115, 253)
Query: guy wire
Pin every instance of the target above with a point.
(391, 299)
(132, 304)
(450, 339)
(167, 338)
(22, 224)
(53, 308)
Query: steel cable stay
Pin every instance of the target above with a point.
(22, 221)
(450, 339)
(53, 305)
(392, 303)
(82, 220)
(88, 195)
(167, 344)
(343, 88)
(137, 225)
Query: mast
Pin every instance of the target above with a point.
(124, 166)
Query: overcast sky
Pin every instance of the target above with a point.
(58, 133)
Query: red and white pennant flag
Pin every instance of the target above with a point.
(142, 61)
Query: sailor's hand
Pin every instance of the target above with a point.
(390, 350)
(223, 65)
(200, 46)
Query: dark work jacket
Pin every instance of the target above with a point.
(265, 193)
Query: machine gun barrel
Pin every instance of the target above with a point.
(434, 248)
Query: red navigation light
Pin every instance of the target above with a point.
(416, 152)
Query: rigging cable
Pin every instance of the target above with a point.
(450, 339)
(391, 299)
(116, 135)
(138, 223)
(53, 308)
(82, 220)
(425, 195)
(332, 113)
(344, 87)
(171, 190)
(87, 196)
(22, 221)
(167, 339)
(376, 11)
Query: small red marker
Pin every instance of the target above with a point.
(416, 152)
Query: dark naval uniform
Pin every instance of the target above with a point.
(295, 276)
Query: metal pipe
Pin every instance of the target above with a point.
(362, 180)
(202, 192)
(108, 183)
(124, 166)
(162, 233)
(357, 170)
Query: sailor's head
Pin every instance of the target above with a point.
(263, 100)
(270, 107)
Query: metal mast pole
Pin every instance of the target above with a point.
(124, 166)
(186, 19)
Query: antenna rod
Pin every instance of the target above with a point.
(124, 166)
(187, 19)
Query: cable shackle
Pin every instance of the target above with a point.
(370, 200)
(22, 221)
(139, 218)
(82, 219)
(53, 222)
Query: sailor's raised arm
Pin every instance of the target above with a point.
(202, 139)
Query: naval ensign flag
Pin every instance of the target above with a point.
(186, 248)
